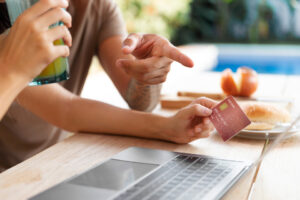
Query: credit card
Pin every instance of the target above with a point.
(228, 118)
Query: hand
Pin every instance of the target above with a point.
(191, 122)
(153, 56)
(29, 48)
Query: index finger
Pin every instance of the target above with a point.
(43, 6)
(206, 102)
(175, 54)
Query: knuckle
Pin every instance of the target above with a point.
(48, 51)
(156, 51)
(60, 12)
(49, 3)
(146, 69)
(22, 19)
(67, 51)
(65, 30)
(151, 35)
(34, 27)
(169, 62)
(68, 16)
(48, 55)
(167, 69)
(195, 106)
(202, 99)
(144, 77)
(164, 40)
(162, 79)
(42, 39)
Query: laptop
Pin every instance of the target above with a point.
(139, 173)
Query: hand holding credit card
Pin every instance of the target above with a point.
(228, 118)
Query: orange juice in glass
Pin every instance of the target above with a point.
(58, 70)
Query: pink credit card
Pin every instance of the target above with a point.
(228, 118)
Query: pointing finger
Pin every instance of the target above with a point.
(174, 53)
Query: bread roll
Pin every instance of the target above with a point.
(265, 116)
(260, 126)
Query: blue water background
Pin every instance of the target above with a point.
(268, 59)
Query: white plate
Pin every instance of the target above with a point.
(271, 134)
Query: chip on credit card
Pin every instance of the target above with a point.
(228, 118)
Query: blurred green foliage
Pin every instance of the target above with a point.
(154, 16)
(190, 21)
(241, 21)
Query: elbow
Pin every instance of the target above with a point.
(142, 97)
(142, 107)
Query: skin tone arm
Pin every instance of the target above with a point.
(138, 65)
(10, 86)
(76, 114)
(29, 36)
(68, 111)
(58, 106)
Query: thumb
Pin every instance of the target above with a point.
(199, 111)
(131, 43)
(126, 64)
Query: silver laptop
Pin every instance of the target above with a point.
(139, 173)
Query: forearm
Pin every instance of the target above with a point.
(70, 112)
(139, 97)
(142, 97)
(97, 117)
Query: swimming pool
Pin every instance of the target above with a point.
(269, 59)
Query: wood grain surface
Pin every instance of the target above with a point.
(278, 177)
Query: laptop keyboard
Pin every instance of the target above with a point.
(184, 177)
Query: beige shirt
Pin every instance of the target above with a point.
(23, 134)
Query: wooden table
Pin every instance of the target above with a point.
(278, 176)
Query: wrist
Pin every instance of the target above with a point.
(138, 84)
(142, 97)
(11, 79)
(8, 71)
(159, 127)
(10, 86)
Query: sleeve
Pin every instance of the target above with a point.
(4, 18)
(112, 21)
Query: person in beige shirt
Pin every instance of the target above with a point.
(17, 65)
(136, 65)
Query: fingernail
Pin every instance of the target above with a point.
(207, 111)
(128, 42)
